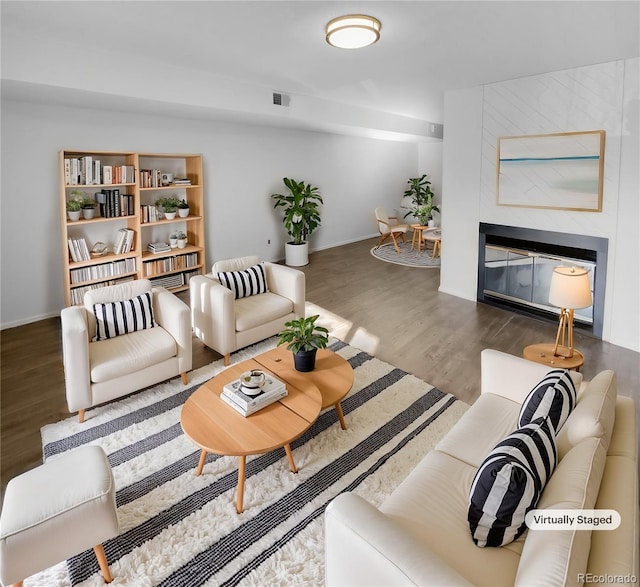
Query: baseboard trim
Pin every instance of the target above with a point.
(22, 322)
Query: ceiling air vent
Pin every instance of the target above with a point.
(280, 99)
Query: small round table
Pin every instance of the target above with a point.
(543, 353)
(417, 235)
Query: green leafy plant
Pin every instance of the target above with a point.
(302, 334)
(421, 198)
(169, 203)
(183, 205)
(300, 209)
(180, 235)
(88, 203)
(74, 205)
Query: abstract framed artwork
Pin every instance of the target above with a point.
(562, 171)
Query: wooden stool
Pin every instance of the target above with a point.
(56, 511)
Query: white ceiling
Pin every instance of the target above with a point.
(426, 47)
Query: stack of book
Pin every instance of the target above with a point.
(158, 247)
(181, 181)
(272, 390)
(123, 241)
(79, 250)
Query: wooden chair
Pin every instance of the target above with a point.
(389, 228)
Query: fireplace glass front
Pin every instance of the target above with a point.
(524, 277)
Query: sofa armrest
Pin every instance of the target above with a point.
(75, 355)
(513, 377)
(173, 315)
(212, 313)
(289, 283)
(365, 547)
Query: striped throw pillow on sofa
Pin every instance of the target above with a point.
(247, 282)
(509, 482)
(123, 317)
(554, 398)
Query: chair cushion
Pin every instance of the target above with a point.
(509, 483)
(123, 317)
(260, 309)
(554, 397)
(247, 282)
(127, 354)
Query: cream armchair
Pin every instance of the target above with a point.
(100, 371)
(226, 324)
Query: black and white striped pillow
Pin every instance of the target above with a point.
(247, 282)
(123, 317)
(509, 482)
(554, 397)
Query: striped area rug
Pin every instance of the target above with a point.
(406, 256)
(177, 529)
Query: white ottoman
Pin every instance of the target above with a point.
(55, 511)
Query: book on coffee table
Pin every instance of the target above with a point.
(272, 390)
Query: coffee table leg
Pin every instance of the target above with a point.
(203, 458)
(340, 416)
(292, 465)
(242, 461)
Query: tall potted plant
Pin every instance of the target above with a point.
(303, 338)
(301, 217)
(421, 195)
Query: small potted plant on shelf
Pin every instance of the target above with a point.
(301, 218)
(181, 239)
(183, 209)
(303, 338)
(74, 209)
(88, 208)
(169, 206)
(173, 240)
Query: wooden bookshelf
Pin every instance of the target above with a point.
(110, 217)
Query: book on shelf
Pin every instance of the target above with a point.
(78, 249)
(158, 247)
(123, 241)
(272, 390)
(181, 181)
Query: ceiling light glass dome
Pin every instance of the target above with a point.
(353, 31)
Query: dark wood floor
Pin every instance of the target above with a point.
(395, 311)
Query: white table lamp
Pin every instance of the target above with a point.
(570, 290)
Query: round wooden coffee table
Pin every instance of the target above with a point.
(332, 375)
(217, 428)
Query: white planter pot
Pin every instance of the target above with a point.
(296, 255)
(74, 214)
(173, 243)
(182, 243)
(88, 213)
(183, 212)
(432, 223)
(169, 215)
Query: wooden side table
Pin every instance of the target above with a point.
(543, 353)
(416, 239)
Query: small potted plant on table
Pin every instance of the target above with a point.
(303, 338)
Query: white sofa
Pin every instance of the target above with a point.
(97, 372)
(420, 534)
(226, 324)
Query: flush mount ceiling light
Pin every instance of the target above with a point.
(353, 31)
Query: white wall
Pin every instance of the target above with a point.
(243, 165)
(603, 96)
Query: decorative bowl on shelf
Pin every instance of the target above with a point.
(99, 249)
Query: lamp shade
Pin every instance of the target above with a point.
(353, 31)
(570, 288)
